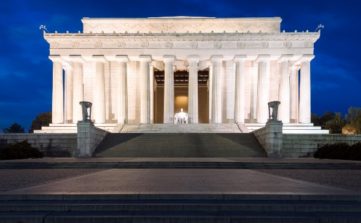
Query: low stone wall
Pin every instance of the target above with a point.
(303, 145)
(59, 145)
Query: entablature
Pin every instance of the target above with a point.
(183, 41)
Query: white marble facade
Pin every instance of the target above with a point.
(250, 62)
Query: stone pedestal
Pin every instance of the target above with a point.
(274, 138)
(88, 138)
(270, 137)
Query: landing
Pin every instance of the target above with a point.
(180, 181)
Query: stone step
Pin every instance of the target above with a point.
(138, 206)
(185, 128)
(179, 208)
(199, 163)
(292, 128)
(189, 217)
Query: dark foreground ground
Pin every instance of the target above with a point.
(181, 190)
(255, 175)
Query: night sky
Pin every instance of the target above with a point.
(26, 71)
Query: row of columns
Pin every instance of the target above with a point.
(294, 92)
(295, 98)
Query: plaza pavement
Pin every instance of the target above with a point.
(299, 177)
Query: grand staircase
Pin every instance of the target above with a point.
(180, 145)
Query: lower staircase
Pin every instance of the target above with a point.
(180, 145)
(168, 208)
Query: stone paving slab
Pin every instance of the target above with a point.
(345, 178)
(19, 178)
(180, 181)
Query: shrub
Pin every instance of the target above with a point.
(14, 128)
(355, 151)
(332, 151)
(21, 150)
(339, 151)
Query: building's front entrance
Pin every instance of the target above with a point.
(181, 94)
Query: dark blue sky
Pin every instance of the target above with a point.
(25, 71)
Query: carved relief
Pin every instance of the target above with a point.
(144, 44)
(55, 45)
(194, 41)
(98, 44)
(217, 45)
(168, 45)
(241, 45)
(308, 44)
(287, 44)
(75, 44)
(194, 45)
(265, 45)
(121, 44)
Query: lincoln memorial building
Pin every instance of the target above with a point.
(203, 71)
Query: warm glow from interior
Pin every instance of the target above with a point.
(181, 102)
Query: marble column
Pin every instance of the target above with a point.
(263, 88)
(144, 89)
(78, 88)
(193, 88)
(68, 93)
(121, 91)
(168, 89)
(210, 84)
(57, 97)
(253, 82)
(107, 89)
(305, 90)
(229, 89)
(217, 88)
(294, 93)
(99, 90)
(240, 88)
(284, 91)
(151, 92)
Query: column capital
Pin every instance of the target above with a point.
(229, 63)
(145, 58)
(216, 58)
(158, 65)
(193, 58)
(168, 58)
(74, 58)
(295, 67)
(122, 58)
(240, 58)
(98, 58)
(56, 58)
(263, 58)
(285, 58)
(117, 58)
(306, 58)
